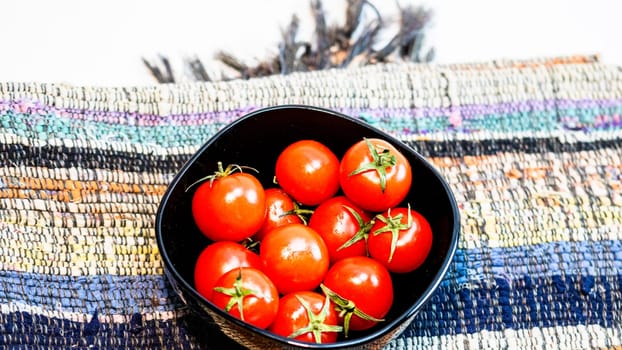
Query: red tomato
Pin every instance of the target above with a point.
(308, 171)
(307, 316)
(229, 206)
(362, 289)
(280, 210)
(343, 226)
(295, 258)
(247, 294)
(375, 175)
(401, 239)
(217, 259)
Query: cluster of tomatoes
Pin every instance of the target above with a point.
(330, 234)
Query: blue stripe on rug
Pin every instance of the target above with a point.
(528, 302)
(124, 295)
(592, 258)
(108, 294)
(21, 329)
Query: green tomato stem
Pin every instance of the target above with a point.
(237, 294)
(299, 212)
(346, 309)
(316, 324)
(220, 173)
(362, 233)
(394, 225)
(380, 162)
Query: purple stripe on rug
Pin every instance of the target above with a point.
(123, 118)
(463, 112)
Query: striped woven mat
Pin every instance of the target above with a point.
(532, 150)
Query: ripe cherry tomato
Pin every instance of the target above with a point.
(343, 226)
(217, 259)
(308, 171)
(247, 294)
(375, 175)
(307, 316)
(362, 289)
(280, 210)
(401, 239)
(229, 206)
(295, 258)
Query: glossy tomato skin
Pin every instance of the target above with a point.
(365, 188)
(295, 258)
(230, 208)
(337, 226)
(278, 203)
(308, 171)
(217, 259)
(292, 316)
(412, 246)
(260, 306)
(365, 282)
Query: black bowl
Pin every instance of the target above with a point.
(256, 140)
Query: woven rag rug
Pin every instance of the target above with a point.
(532, 150)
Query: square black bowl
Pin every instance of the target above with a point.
(256, 140)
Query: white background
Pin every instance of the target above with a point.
(102, 42)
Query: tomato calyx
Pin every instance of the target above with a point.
(251, 244)
(380, 162)
(362, 233)
(394, 225)
(220, 173)
(237, 294)
(301, 213)
(316, 324)
(346, 308)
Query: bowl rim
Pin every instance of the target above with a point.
(386, 328)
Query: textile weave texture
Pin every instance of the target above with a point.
(532, 150)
